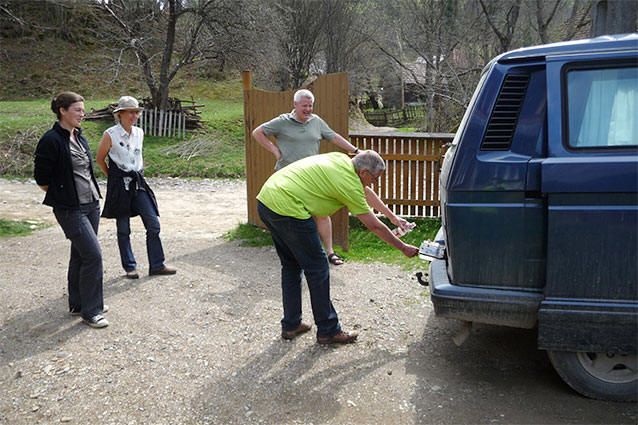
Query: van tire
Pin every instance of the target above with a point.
(611, 377)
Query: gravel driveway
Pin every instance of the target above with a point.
(203, 347)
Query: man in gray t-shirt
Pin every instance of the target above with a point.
(298, 134)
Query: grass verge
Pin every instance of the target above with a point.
(365, 246)
(10, 228)
(216, 151)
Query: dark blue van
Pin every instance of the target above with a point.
(539, 197)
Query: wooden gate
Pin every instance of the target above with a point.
(331, 104)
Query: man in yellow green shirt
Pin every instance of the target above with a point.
(319, 186)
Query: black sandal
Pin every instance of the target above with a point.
(335, 259)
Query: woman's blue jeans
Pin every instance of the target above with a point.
(299, 249)
(80, 226)
(141, 204)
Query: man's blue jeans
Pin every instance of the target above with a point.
(80, 226)
(299, 249)
(142, 205)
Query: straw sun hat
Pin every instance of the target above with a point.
(127, 103)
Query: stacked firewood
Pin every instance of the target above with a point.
(191, 112)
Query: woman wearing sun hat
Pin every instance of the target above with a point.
(63, 168)
(127, 193)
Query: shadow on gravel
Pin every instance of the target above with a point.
(28, 333)
(246, 275)
(282, 385)
(50, 325)
(497, 376)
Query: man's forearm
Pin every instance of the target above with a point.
(264, 141)
(375, 202)
(382, 231)
(377, 227)
(343, 143)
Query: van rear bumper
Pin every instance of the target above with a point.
(599, 326)
(517, 309)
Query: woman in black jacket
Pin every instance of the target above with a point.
(63, 168)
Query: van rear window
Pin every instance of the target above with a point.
(602, 106)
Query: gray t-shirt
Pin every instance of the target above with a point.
(297, 140)
(84, 186)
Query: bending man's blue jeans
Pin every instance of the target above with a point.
(80, 226)
(142, 205)
(299, 249)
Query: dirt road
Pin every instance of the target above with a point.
(203, 347)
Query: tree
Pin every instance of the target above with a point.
(614, 17)
(342, 42)
(503, 24)
(431, 51)
(348, 45)
(299, 31)
(568, 26)
(167, 35)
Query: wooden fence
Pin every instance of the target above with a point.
(156, 122)
(410, 184)
(395, 117)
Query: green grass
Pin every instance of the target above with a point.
(216, 151)
(249, 235)
(9, 228)
(365, 246)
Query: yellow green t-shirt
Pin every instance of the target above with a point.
(315, 186)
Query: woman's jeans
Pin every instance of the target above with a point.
(141, 204)
(85, 266)
(299, 249)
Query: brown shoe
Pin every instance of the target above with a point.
(292, 334)
(164, 271)
(340, 338)
(132, 274)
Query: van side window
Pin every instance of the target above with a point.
(602, 106)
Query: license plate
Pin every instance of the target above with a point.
(431, 251)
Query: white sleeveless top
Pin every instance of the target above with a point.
(126, 149)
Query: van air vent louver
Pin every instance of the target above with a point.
(502, 124)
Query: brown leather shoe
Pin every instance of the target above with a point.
(164, 271)
(340, 338)
(292, 334)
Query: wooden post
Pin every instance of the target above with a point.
(154, 123)
(161, 123)
(245, 80)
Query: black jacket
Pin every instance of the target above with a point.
(52, 167)
(118, 199)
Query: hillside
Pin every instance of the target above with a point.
(37, 67)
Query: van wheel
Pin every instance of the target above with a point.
(598, 375)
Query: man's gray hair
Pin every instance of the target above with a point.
(368, 160)
(304, 93)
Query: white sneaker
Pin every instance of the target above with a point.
(97, 321)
